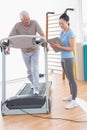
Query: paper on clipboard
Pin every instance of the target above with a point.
(52, 40)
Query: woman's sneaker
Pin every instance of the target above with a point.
(68, 98)
(72, 104)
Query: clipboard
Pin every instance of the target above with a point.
(50, 41)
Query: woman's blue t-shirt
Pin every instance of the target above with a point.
(65, 41)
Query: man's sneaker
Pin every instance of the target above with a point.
(72, 104)
(68, 98)
(36, 91)
(31, 85)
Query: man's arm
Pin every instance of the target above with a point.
(42, 34)
(12, 33)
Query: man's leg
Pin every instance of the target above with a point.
(35, 69)
(27, 61)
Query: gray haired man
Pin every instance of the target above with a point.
(30, 55)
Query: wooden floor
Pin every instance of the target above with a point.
(59, 118)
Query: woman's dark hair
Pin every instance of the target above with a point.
(64, 15)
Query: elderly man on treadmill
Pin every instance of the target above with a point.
(30, 55)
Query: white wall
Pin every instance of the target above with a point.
(9, 15)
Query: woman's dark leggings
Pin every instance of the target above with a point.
(67, 64)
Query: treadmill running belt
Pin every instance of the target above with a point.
(24, 101)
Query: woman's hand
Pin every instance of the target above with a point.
(55, 45)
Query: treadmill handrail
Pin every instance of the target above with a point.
(31, 36)
(18, 45)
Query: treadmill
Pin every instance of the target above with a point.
(25, 102)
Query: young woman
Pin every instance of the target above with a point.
(67, 58)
